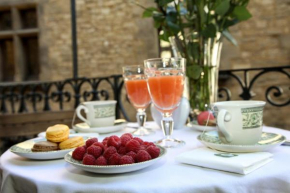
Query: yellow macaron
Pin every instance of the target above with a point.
(72, 143)
(57, 133)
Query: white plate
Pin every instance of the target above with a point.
(113, 169)
(196, 126)
(268, 141)
(23, 149)
(85, 128)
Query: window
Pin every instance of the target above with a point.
(19, 49)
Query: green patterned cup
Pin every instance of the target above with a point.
(239, 122)
(98, 113)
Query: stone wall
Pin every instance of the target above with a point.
(111, 34)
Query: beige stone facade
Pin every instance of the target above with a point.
(112, 33)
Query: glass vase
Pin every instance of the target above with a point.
(203, 60)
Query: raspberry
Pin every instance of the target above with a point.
(124, 139)
(114, 141)
(132, 154)
(139, 140)
(109, 151)
(142, 156)
(89, 142)
(153, 151)
(100, 145)
(142, 147)
(129, 134)
(101, 161)
(132, 145)
(79, 153)
(148, 143)
(104, 142)
(89, 160)
(122, 150)
(95, 151)
(114, 159)
(126, 159)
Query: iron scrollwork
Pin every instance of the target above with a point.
(16, 97)
(247, 85)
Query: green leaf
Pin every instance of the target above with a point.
(241, 13)
(209, 31)
(157, 24)
(157, 16)
(149, 12)
(193, 71)
(174, 28)
(164, 2)
(172, 22)
(222, 7)
(229, 37)
(229, 23)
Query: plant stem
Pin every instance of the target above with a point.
(182, 30)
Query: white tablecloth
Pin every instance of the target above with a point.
(24, 175)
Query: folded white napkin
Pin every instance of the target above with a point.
(242, 163)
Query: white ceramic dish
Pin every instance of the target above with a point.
(85, 128)
(113, 169)
(268, 141)
(194, 125)
(23, 149)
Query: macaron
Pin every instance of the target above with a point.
(43, 146)
(57, 133)
(72, 143)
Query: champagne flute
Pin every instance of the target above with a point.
(165, 80)
(137, 91)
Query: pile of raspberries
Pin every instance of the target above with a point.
(116, 150)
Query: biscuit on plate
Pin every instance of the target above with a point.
(43, 146)
(72, 142)
(57, 133)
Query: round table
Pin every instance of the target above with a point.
(23, 175)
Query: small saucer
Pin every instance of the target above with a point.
(268, 141)
(194, 125)
(23, 149)
(85, 128)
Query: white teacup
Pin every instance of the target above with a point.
(98, 113)
(239, 122)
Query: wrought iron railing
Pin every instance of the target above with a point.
(44, 96)
(247, 83)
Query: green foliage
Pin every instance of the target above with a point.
(206, 17)
(194, 26)
(241, 13)
(222, 7)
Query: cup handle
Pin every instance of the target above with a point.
(224, 116)
(78, 111)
